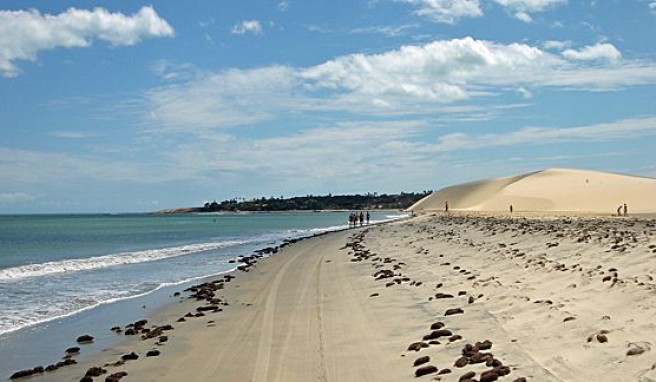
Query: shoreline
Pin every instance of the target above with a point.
(545, 299)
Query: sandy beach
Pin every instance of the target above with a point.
(456, 297)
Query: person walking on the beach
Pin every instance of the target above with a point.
(446, 206)
(361, 218)
(511, 209)
(367, 217)
(626, 210)
(619, 210)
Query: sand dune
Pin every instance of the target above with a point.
(555, 189)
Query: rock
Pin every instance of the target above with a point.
(470, 300)
(153, 353)
(601, 338)
(461, 362)
(22, 374)
(452, 311)
(130, 357)
(416, 346)
(502, 371)
(95, 372)
(635, 349)
(485, 345)
(163, 339)
(85, 339)
(116, 376)
(520, 379)
(488, 376)
(421, 360)
(467, 375)
(444, 371)
(443, 295)
(455, 337)
(437, 334)
(437, 325)
(73, 350)
(425, 370)
(86, 378)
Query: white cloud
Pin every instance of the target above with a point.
(413, 79)
(446, 11)
(24, 33)
(601, 51)
(15, 198)
(622, 129)
(523, 8)
(652, 7)
(557, 45)
(248, 26)
(283, 5)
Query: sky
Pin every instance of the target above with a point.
(116, 106)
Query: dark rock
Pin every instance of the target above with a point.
(85, 339)
(416, 346)
(95, 371)
(425, 370)
(437, 325)
(22, 374)
(461, 362)
(443, 295)
(452, 311)
(421, 360)
(51, 367)
(437, 334)
(502, 371)
(488, 376)
(485, 345)
(462, 293)
(153, 353)
(520, 379)
(602, 338)
(163, 339)
(73, 350)
(444, 371)
(455, 337)
(470, 300)
(86, 378)
(116, 376)
(467, 375)
(130, 357)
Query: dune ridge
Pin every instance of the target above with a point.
(549, 190)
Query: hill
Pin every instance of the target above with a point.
(554, 189)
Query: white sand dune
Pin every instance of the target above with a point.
(556, 189)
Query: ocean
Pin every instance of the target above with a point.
(58, 272)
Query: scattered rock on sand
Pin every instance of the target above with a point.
(425, 370)
(421, 360)
(86, 338)
(452, 311)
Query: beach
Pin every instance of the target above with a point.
(461, 297)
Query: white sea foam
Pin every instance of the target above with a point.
(76, 265)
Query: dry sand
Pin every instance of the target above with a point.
(563, 190)
(559, 299)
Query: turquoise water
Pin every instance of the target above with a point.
(61, 275)
(56, 265)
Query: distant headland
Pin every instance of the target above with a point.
(369, 201)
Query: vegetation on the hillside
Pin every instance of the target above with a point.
(368, 201)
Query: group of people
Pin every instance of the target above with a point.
(355, 218)
(622, 209)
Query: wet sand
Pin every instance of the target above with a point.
(452, 298)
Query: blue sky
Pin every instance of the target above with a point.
(113, 106)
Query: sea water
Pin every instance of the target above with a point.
(54, 267)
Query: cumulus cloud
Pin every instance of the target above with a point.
(523, 8)
(248, 26)
(24, 33)
(446, 11)
(557, 45)
(413, 79)
(601, 51)
(652, 7)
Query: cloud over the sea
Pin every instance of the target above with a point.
(25, 33)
